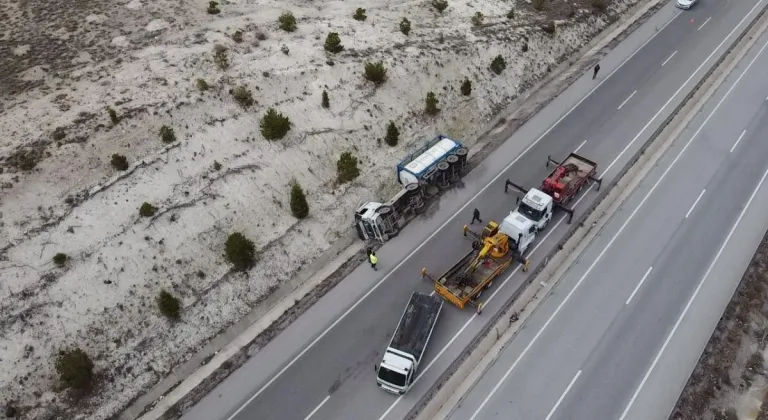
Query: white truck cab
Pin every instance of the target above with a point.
(537, 206)
(395, 373)
(520, 230)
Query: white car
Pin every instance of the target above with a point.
(685, 4)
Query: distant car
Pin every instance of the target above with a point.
(686, 4)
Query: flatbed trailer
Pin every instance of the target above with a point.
(566, 180)
(462, 291)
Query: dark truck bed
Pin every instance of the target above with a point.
(416, 324)
(573, 180)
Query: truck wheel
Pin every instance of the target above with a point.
(488, 286)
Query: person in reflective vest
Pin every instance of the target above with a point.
(373, 259)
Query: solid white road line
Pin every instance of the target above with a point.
(627, 100)
(642, 280)
(695, 293)
(613, 239)
(317, 408)
(580, 146)
(605, 171)
(472, 318)
(738, 140)
(668, 58)
(562, 396)
(695, 202)
(705, 22)
(450, 219)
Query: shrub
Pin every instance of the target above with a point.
(221, 59)
(549, 27)
(243, 96)
(168, 304)
(346, 168)
(466, 87)
(284, 49)
(75, 369)
(216, 165)
(477, 19)
(524, 48)
(538, 4)
(375, 72)
(325, 102)
(440, 5)
(393, 134)
(405, 26)
(167, 134)
(360, 14)
(146, 210)
(202, 85)
(511, 14)
(299, 206)
(261, 36)
(599, 5)
(240, 251)
(60, 259)
(274, 125)
(213, 8)
(287, 22)
(333, 43)
(498, 64)
(119, 162)
(58, 134)
(237, 36)
(112, 115)
(431, 104)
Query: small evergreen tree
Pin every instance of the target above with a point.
(147, 210)
(75, 369)
(360, 14)
(477, 19)
(112, 115)
(240, 251)
(299, 206)
(167, 135)
(466, 87)
(213, 8)
(346, 168)
(60, 259)
(549, 27)
(498, 64)
(405, 26)
(440, 5)
(393, 134)
(169, 305)
(274, 125)
(333, 43)
(375, 72)
(287, 22)
(325, 102)
(119, 162)
(202, 85)
(511, 14)
(538, 4)
(431, 104)
(599, 5)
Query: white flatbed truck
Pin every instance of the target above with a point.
(397, 370)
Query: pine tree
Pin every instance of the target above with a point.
(299, 206)
(466, 87)
(325, 102)
(393, 134)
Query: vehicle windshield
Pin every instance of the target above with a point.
(392, 377)
(530, 212)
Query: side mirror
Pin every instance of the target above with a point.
(517, 200)
(375, 368)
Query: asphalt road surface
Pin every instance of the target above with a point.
(322, 365)
(584, 354)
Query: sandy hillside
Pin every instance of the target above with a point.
(64, 62)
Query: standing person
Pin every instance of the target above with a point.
(597, 69)
(475, 216)
(373, 259)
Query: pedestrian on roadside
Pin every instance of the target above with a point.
(475, 216)
(368, 252)
(597, 69)
(373, 259)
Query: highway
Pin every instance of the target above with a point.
(586, 352)
(322, 365)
